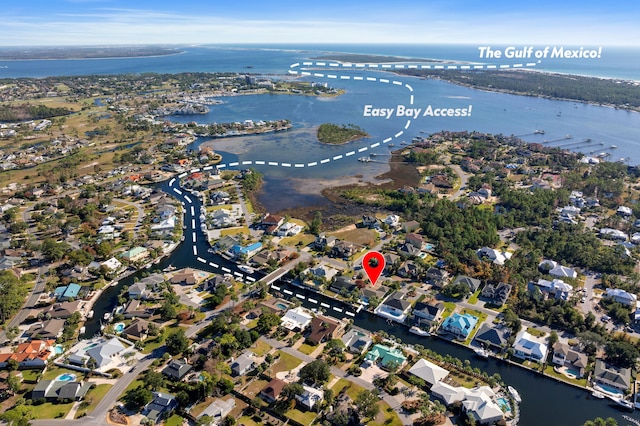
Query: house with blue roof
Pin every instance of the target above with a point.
(67, 292)
(386, 355)
(460, 325)
(247, 251)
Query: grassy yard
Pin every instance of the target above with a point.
(94, 396)
(247, 421)
(305, 239)
(535, 332)
(474, 298)
(551, 372)
(156, 342)
(50, 410)
(352, 391)
(54, 372)
(174, 420)
(449, 307)
(260, 348)
(360, 236)
(286, 362)
(302, 417)
(387, 416)
(254, 388)
(235, 231)
(307, 349)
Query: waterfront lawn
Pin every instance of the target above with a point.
(260, 348)
(94, 396)
(50, 410)
(362, 236)
(285, 362)
(302, 417)
(300, 239)
(481, 319)
(449, 307)
(549, 371)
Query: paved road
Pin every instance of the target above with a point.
(463, 181)
(140, 213)
(38, 288)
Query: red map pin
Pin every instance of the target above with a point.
(373, 264)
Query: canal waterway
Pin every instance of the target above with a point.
(545, 401)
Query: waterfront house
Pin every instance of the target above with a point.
(608, 375)
(622, 296)
(68, 292)
(310, 397)
(428, 313)
(270, 220)
(387, 357)
(160, 407)
(243, 364)
(112, 264)
(448, 393)
(57, 390)
(357, 341)
(369, 292)
(217, 410)
(480, 402)
(342, 285)
(324, 329)
(135, 254)
(226, 242)
(428, 371)
(271, 392)
(472, 283)
(527, 346)
(139, 291)
(492, 337)
(394, 308)
(186, 277)
(564, 356)
(246, 252)
(134, 309)
(296, 319)
(436, 277)
(460, 325)
(497, 294)
(62, 310)
(137, 330)
(176, 370)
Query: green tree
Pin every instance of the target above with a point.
(316, 223)
(137, 398)
(317, 372)
(266, 322)
(291, 390)
(153, 380)
(366, 403)
(621, 354)
(177, 342)
(18, 415)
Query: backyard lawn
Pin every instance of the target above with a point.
(302, 417)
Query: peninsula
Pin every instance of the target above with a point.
(336, 135)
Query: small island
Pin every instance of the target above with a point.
(335, 134)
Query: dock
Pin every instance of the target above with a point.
(559, 139)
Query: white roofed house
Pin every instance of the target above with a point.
(622, 296)
(296, 319)
(496, 256)
(557, 289)
(428, 371)
(529, 347)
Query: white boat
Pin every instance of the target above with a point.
(106, 316)
(90, 314)
(420, 332)
(597, 394)
(169, 268)
(514, 394)
(624, 403)
(481, 352)
(247, 269)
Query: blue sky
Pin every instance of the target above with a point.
(108, 22)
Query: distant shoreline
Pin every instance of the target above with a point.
(74, 54)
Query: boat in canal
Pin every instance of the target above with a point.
(420, 332)
(514, 394)
(597, 394)
(481, 352)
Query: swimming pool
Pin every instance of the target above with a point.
(504, 405)
(118, 327)
(609, 389)
(428, 246)
(66, 377)
(281, 306)
(576, 373)
(58, 349)
(93, 345)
